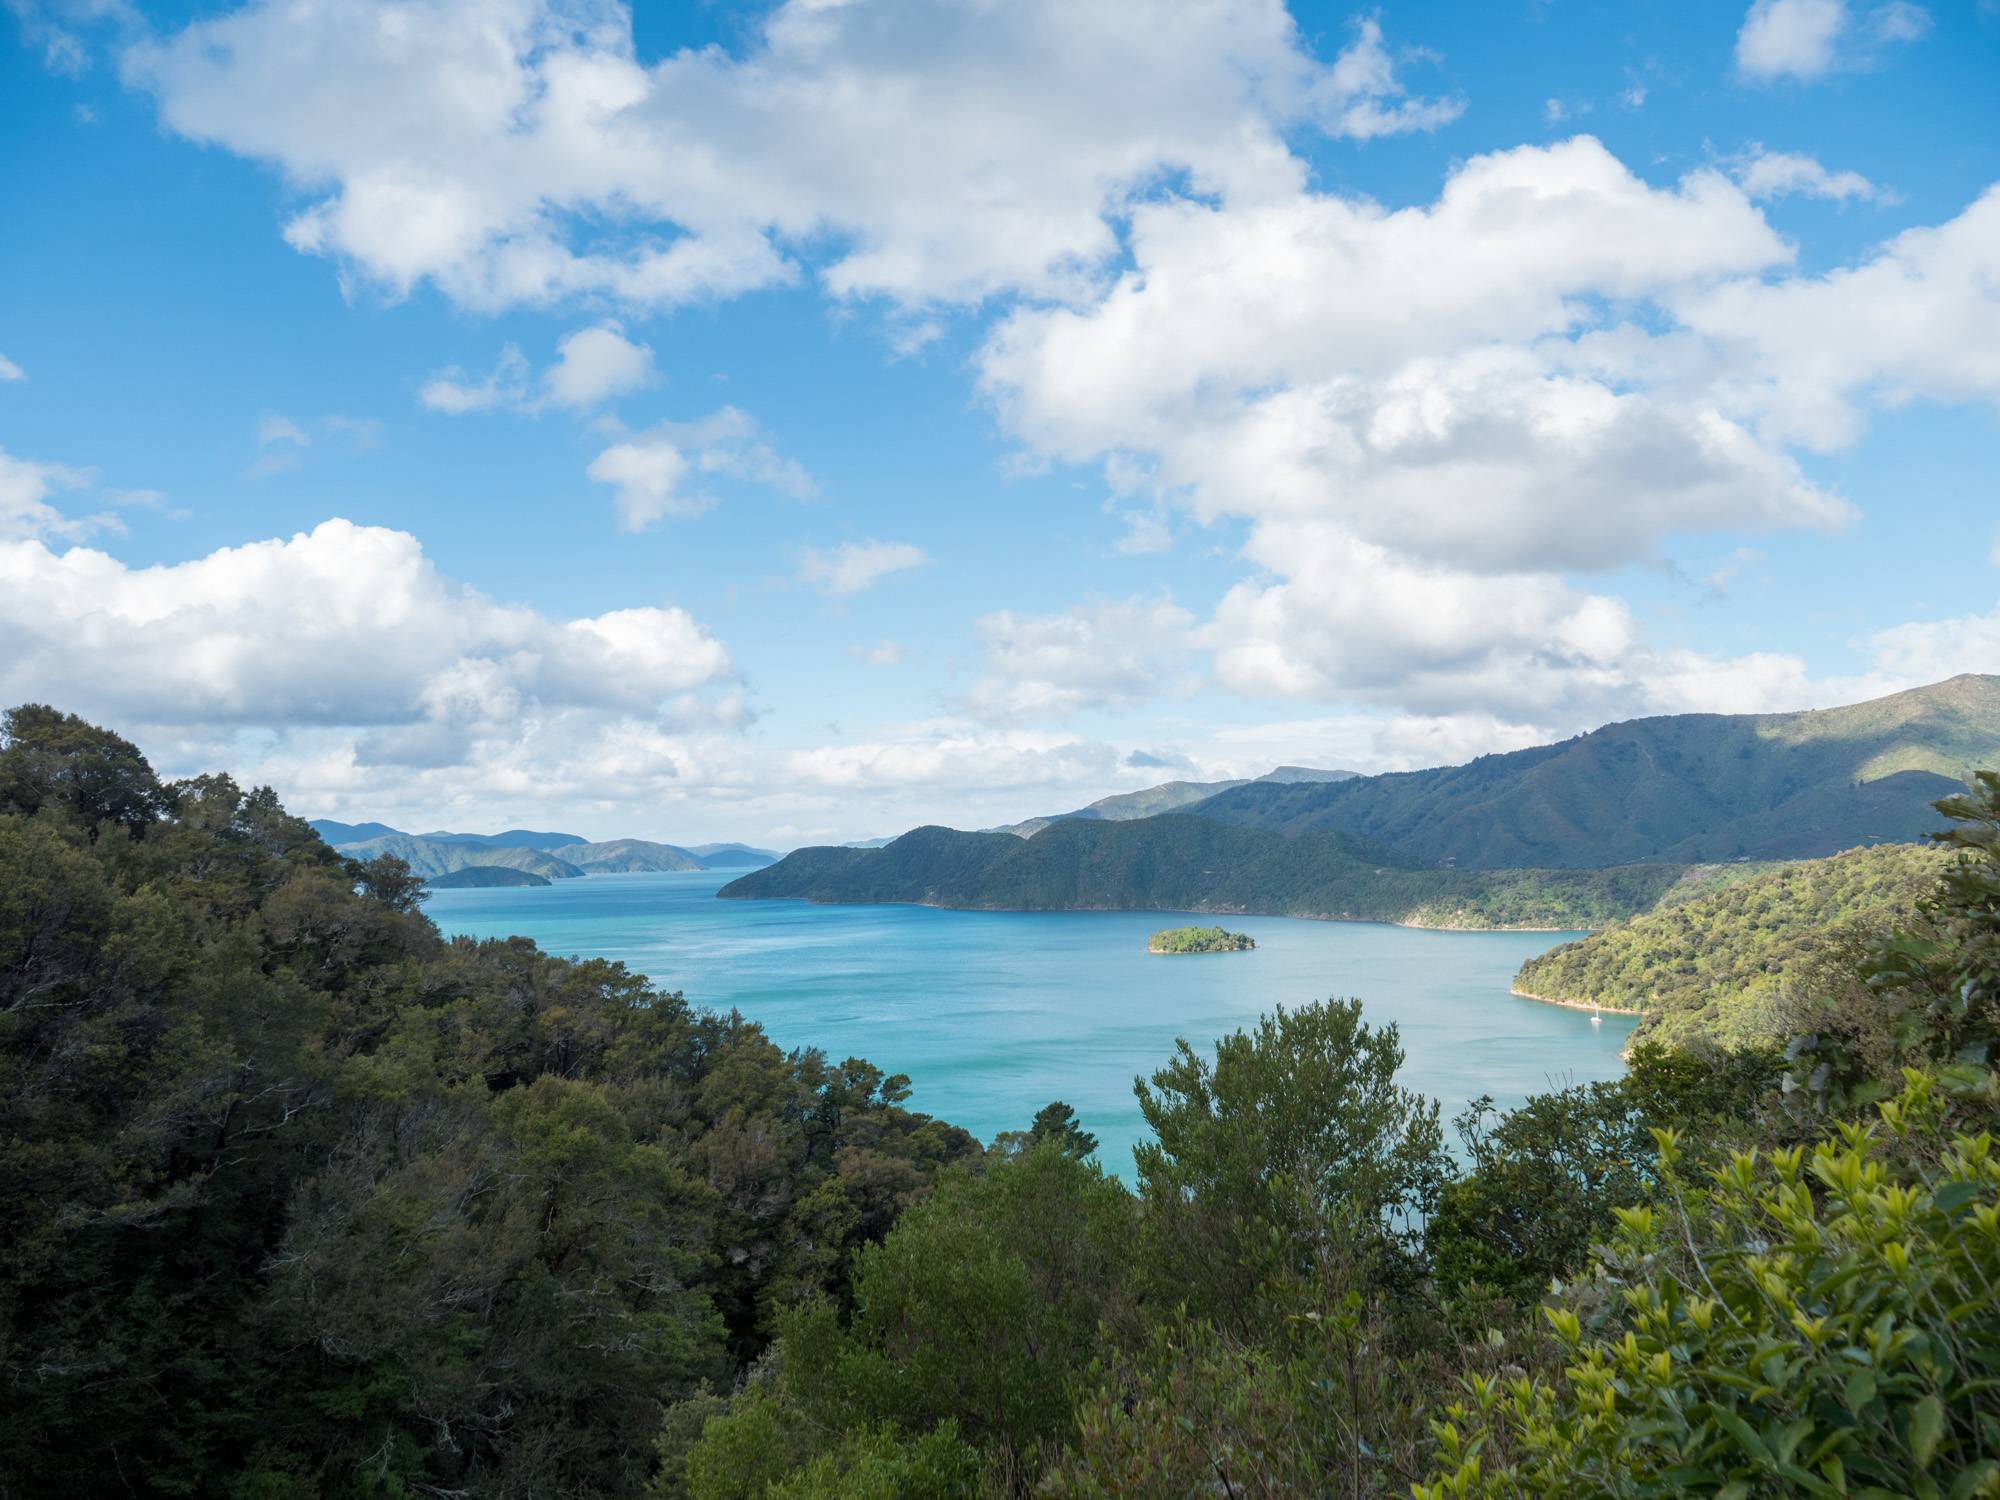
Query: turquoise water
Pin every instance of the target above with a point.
(993, 1014)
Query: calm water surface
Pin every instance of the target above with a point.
(993, 1014)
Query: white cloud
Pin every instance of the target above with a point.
(344, 624)
(11, 371)
(1423, 415)
(1103, 653)
(950, 754)
(25, 489)
(594, 364)
(274, 430)
(453, 392)
(1366, 98)
(511, 151)
(651, 472)
(1774, 174)
(343, 665)
(1807, 39)
(1930, 650)
(881, 654)
(853, 567)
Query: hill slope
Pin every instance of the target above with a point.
(626, 857)
(1684, 788)
(429, 858)
(1168, 796)
(1180, 863)
(1711, 965)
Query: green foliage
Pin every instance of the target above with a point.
(1736, 965)
(1294, 1145)
(57, 761)
(1199, 940)
(300, 1199)
(975, 1315)
(1546, 1180)
(884, 1464)
(1808, 1322)
(1929, 993)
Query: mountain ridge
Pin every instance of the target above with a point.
(1642, 804)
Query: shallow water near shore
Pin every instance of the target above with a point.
(994, 1014)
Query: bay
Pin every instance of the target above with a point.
(994, 1014)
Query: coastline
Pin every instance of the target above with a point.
(1609, 1010)
(1297, 916)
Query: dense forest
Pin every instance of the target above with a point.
(1744, 963)
(302, 1199)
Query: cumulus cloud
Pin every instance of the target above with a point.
(657, 473)
(595, 364)
(11, 371)
(1775, 174)
(344, 624)
(1427, 417)
(1097, 655)
(852, 567)
(1807, 39)
(513, 151)
(341, 663)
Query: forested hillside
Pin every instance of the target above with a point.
(300, 1199)
(1728, 965)
(1177, 862)
(1687, 788)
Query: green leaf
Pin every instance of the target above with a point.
(1860, 1389)
(1926, 1429)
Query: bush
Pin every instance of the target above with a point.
(1822, 1322)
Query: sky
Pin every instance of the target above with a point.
(795, 423)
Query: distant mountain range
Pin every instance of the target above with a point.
(1572, 834)
(1166, 797)
(441, 857)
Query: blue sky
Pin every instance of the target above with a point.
(795, 423)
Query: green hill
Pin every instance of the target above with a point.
(1715, 964)
(481, 877)
(430, 858)
(1686, 788)
(1177, 862)
(626, 856)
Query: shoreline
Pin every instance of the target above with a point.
(1292, 916)
(1592, 1005)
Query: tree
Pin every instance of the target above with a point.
(1057, 1122)
(56, 760)
(1293, 1148)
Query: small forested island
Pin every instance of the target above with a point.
(1199, 940)
(484, 876)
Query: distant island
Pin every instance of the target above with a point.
(1199, 940)
(482, 876)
